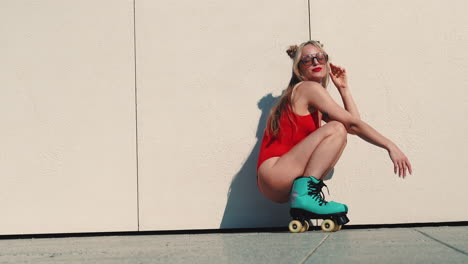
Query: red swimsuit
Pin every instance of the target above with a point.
(290, 134)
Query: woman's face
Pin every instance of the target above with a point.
(313, 64)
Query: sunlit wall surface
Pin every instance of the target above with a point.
(148, 115)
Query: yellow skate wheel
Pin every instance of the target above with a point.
(337, 228)
(295, 226)
(328, 225)
(305, 226)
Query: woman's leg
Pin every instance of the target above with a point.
(314, 156)
(327, 154)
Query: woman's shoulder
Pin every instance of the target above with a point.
(309, 89)
(308, 85)
(297, 84)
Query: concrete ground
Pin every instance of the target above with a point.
(386, 245)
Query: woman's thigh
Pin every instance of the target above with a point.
(276, 175)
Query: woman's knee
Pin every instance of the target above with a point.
(338, 129)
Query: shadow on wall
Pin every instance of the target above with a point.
(246, 206)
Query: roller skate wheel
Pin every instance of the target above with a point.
(337, 228)
(295, 226)
(305, 227)
(328, 225)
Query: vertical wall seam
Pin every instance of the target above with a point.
(136, 115)
(308, 8)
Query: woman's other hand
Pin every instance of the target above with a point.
(400, 162)
(338, 76)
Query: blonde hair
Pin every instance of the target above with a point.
(273, 127)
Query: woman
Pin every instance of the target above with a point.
(296, 151)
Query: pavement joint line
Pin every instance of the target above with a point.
(313, 250)
(443, 243)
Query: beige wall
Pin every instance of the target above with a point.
(207, 74)
(407, 62)
(67, 112)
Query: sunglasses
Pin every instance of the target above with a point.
(321, 57)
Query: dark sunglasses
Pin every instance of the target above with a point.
(321, 57)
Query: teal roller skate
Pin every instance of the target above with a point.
(308, 202)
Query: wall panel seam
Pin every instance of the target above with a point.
(308, 10)
(136, 115)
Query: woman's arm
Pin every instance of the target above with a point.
(318, 98)
(369, 134)
(339, 78)
(349, 102)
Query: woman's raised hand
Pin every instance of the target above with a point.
(338, 76)
(400, 162)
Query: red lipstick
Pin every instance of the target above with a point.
(317, 69)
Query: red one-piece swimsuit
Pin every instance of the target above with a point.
(290, 134)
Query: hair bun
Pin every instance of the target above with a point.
(321, 45)
(292, 51)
